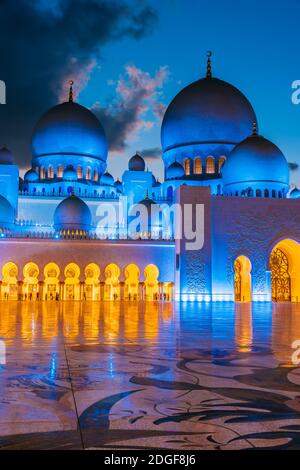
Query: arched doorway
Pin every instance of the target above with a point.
(151, 282)
(72, 284)
(284, 265)
(31, 283)
(51, 288)
(112, 285)
(132, 274)
(242, 279)
(91, 287)
(10, 281)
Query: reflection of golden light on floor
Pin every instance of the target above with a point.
(285, 330)
(243, 326)
(33, 321)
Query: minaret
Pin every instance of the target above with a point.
(208, 66)
(71, 83)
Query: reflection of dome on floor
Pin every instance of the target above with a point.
(72, 214)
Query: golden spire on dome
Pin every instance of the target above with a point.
(147, 195)
(71, 83)
(254, 130)
(208, 66)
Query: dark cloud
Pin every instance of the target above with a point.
(293, 166)
(42, 42)
(133, 107)
(152, 153)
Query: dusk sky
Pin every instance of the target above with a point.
(129, 58)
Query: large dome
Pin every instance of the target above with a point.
(256, 163)
(69, 129)
(72, 213)
(208, 116)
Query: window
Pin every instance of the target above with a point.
(79, 172)
(187, 167)
(42, 173)
(197, 166)
(88, 173)
(221, 163)
(210, 165)
(50, 172)
(170, 192)
(258, 193)
(60, 171)
(95, 175)
(266, 193)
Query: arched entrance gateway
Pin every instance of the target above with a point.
(242, 279)
(284, 265)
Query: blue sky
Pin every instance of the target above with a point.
(254, 47)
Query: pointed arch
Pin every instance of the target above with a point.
(30, 283)
(132, 276)
(151, 273)
(9, 288)
(242, 279)
(92, 285)
(51, 281)
(112, 284)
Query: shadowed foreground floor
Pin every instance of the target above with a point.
(149, 375)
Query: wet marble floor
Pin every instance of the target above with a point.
(149, 375)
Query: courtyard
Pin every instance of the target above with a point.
(149, 375)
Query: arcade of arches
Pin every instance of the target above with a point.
(284, 269)
(55, 283)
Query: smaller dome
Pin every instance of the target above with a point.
(118, 185)
(255, 162)
(136, 163)
(295, 193)
(7, 214)
(72, 213)
(175, 170)
(70, 174)
(106, 179)
(6, 157)
(31, 176)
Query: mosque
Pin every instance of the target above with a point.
(51, 247)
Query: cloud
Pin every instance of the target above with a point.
(43, 43)
(293, 166)
(151, 154)
(135, 106)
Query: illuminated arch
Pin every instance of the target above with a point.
(50, 173)
(151, 273)
(132, 275)
(72, 283)
(242, 279)
(79, 172)
(187, 166)
(284, 263)
(31, 283)
(9, 288)
(88, 173)
(91, 287)
(42, 173)
(197, 166)
(51, 281)
(112, 284)
(221, 163)
(210, 165)
(60, 171)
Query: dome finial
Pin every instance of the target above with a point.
(147, 195)
(71, 83)
(254, 130)
(208, 67)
